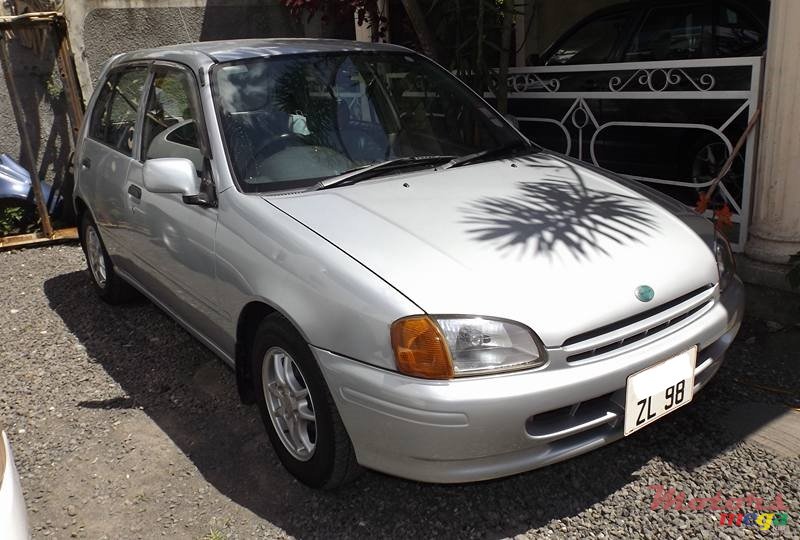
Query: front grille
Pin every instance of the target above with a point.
(608, 347)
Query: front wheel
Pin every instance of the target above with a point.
(298, 411)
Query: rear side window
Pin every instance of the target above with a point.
(673, 33)
(113, 120)
(185, 135)
(736, 34)
(592, 43)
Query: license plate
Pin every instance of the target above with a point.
(659, 390)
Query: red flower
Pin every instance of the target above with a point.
(723, 219)
(702, 203)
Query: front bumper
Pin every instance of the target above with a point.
(488, 427)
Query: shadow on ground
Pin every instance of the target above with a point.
(191, 396)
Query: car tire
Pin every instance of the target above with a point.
(298, 411)
(109, 286)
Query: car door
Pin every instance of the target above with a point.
(177, 234)
(106, 156)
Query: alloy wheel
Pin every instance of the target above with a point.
(289, 403)
(95, 257)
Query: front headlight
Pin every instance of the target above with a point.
(725, 261)
(446, 347)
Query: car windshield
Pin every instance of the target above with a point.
(291, 121)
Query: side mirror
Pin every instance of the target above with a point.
(171, 175)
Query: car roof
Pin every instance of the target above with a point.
(203, 52)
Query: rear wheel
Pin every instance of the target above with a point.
(298, 411)
(109, 286)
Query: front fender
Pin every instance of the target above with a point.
(335, 302)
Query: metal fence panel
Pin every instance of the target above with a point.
(664, 123)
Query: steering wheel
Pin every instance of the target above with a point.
(271, 146)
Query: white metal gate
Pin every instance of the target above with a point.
(710, 101)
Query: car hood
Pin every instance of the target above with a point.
(537, 239)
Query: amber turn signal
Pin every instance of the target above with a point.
(420, 348)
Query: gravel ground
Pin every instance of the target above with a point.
(125, 427)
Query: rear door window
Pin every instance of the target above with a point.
(736, 33)
(592, 43)
(114, 117)
(673, 33)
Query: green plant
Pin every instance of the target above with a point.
(54, 87)
(793, 275)
(11, 219)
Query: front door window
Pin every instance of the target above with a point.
(170, 123)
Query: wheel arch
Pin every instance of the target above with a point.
(81, 208)
(250, 317)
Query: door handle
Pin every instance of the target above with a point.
(86, 163)
(135, 191)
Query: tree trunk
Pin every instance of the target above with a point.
(426, 38)
(501, 88)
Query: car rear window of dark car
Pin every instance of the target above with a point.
(592, 43)
(736, 33)
(673, 33)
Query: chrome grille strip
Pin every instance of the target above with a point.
(634, 318)
(594, 345)
(636, 337)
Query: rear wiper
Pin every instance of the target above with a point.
(492, 153)
(370, 171)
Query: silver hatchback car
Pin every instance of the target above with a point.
(398, 277)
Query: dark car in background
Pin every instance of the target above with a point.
(648, 30)
(694, 34)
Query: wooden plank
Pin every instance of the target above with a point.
(28, 20)
(38, 239)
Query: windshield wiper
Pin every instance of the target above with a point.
(370, 171)
(492, 153)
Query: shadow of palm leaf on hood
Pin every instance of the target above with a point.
(551, 214)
